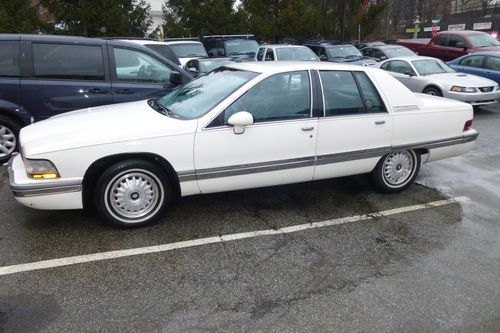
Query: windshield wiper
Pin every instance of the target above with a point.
(158, 107)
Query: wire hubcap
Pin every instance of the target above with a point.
(7, 141)
(398, 167)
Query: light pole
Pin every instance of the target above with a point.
(417, 22)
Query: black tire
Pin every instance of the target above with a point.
(391, 166)
(132, 193)
(433, 91)
(8, 144)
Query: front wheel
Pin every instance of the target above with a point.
(132, 193)
(433, 91)
(396, 171)
(9, 132)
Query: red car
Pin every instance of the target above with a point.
(449, 45)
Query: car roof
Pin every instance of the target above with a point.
(490, 53)
(143, 41)
(60, 38)
(387, 47)
(462, 32)
(285, 66)
(412, 58)
(182, 42)
(282, 45)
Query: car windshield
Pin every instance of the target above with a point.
(187, 50)
(295, 53)
(345, 51)
(241, 47)
(197, 97)
(430, 66)
(211, 64)
(399, 52)
(482, 40)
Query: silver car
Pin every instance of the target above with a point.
(432, 76)
(276, 52)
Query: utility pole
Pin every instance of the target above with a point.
(417, 21)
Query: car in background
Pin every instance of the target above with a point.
(42, 76)
(485, 64)
(384, 52)
(363, 45)
(237, 47)
(277, 52)
(449, 45)
(241, 126)
(186, 49)
(199, 67)
(342, 53)
(433, 77)
(160, 47)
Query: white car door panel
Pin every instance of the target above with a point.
(357, 129)
(278, 148)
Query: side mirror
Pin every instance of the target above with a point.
(410, 73)
(175, 78)
(193, 71)
(323, 58)
(239, 120)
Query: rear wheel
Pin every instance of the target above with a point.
(9, 133)
(396, 171)
(433, 91)
(132, 193)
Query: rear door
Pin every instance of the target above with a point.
(64, 77)
(472, 64)
(9, 74)
(138, 75)
(356, 129)
(492, 67)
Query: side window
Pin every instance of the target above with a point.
(472, 61)
(493, 63)
(269, 55)
(341, 94)
(73, 62)
(373, 102)
(9, 58)
(400, 66)
(321, 52)
(135, 66)
(367, 52)
(378, 54)
(279, 97)
(454, 40)
(442, 40)
(386, 66)
(260, 54)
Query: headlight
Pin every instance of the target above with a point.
(463, 89)
(40, 169)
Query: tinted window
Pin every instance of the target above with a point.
(241, 47)
(399, 66)
(165, 51)
(385, 65)
(372, 99)
(9, 58)
(472, 61)
(341, 93)
(135, 66)
(187, 50)
(76, 62)
(269, 55)
(442, 40)
(279, 97)
(493, 63)
(295, 53)
(260, 54)
(454, 40)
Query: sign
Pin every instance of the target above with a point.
(412, 30)
(429, 29)
(481, 26)
(456, 26)
(436, 21)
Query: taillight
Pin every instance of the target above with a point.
(468, 125)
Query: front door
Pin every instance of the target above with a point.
(277, 149)
(356, 129)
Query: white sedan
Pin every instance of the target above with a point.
(433, 77)
(241, 126)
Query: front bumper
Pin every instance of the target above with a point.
(478, 98)
(43, 194)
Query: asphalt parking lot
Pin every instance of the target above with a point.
(418, 268)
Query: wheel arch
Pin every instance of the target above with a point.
(98, 167)
(432, 85)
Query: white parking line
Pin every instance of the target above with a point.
(216, 239)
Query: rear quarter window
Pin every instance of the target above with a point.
(9, 58)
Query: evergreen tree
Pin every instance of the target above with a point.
(20, 16)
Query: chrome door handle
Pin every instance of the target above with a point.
(306, 129)
(381, 122)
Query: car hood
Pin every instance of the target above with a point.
(125, 122)
(461, 79)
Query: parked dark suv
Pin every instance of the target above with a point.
(236, 47)
(42, 76)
